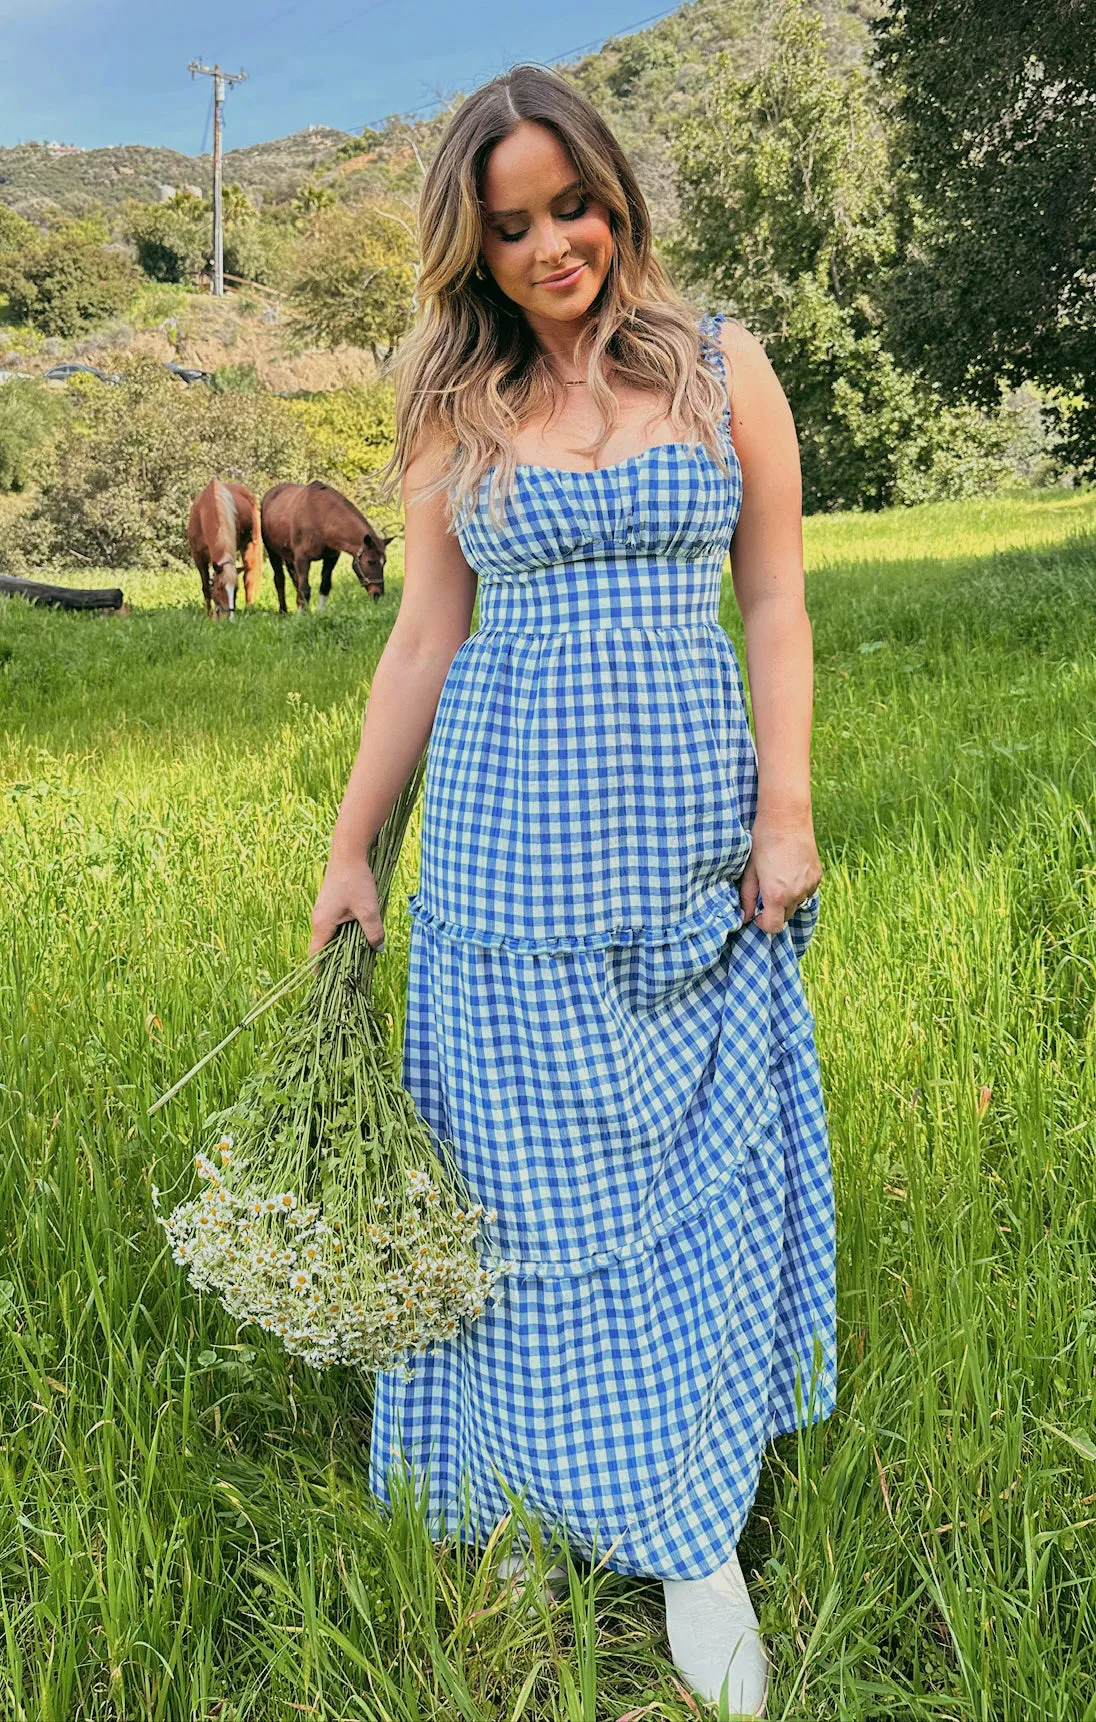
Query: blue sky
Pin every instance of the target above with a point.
(95, 72)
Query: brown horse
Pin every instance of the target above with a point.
(305, 522)
(224, 520)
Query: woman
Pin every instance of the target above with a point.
(605, 1017)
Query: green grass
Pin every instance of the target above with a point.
(186, 1529)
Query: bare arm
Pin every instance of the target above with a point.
(767, 570)
(434, 618)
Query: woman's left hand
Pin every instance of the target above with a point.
(785, 867)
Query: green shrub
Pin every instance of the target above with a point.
(173, 238)
(242, 379)
(872, 434)
(353, 431)
(116, 485)
(29, 412)
(64, 281)
(156, 303)
(367, 140)
(257, 250)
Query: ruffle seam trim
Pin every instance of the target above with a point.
(643, 1241)
(714, 914)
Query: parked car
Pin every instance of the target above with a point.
(61, 373)
(189, 374)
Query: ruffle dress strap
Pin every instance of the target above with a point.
(713, 357)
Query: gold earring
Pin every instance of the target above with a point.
(478, 271)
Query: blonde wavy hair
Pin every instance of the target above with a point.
(471, 372)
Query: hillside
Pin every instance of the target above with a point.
(190, 327)
(34, 176)
(642, 83)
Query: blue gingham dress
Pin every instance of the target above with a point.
(623, 1070)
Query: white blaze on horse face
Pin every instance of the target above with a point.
(228, 579)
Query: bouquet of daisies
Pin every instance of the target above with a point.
(327, 1213)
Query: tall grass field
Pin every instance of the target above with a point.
(186, 1527)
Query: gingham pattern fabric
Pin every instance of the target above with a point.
(617, 1065)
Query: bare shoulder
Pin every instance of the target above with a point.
(737, 341)
(439, 586)
(761, 419)
(748, 368)
(428, 460)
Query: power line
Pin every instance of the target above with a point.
(205, 128)
(375, 6)
(284, 13)
(435, 101)
(564, 54)
(340, 24)
(609, 35)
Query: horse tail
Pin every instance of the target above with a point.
(253, 555)
(225, 504)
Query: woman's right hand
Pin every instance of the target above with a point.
(348, 893)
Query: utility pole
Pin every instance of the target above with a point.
(220, 79)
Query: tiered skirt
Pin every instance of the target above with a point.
(643, 1110)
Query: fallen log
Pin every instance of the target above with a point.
(66, 597)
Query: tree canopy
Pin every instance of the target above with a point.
(355, 278)
(995, 107)
(788, 223)
(62, 282)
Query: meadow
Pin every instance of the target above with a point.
(186, 1530)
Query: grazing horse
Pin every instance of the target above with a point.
(224, 520)
(305, 522)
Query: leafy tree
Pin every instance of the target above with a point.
(15, 233)
(91, 226)
(62, 281)
(235, 203)
(250, 247)
(172, 238)
(252, 251)
(786, 174)
(788, 221)
(996, 118)
(355, 279)
(645, 61)
(311, 198)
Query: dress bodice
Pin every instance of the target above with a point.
(640, 542)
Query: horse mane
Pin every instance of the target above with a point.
(225, 504)
(343, 501)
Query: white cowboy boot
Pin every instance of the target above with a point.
(715, 1637)
(513, 1569)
